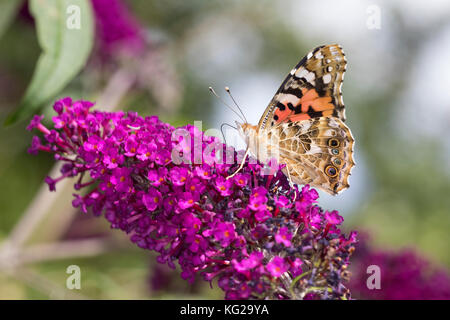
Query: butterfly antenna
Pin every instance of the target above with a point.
(227, 89)
(221, 130)
(217, 96)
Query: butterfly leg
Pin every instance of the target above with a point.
(291, 184)
(242, 164)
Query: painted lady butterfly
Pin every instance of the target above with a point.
(303, 126)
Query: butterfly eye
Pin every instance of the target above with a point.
(335, 151)
(331, 171)
(333, 142)
(337, 162)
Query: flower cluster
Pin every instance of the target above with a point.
(404, 275)
(170, 190)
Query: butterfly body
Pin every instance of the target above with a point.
(303, 126)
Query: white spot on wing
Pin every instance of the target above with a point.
(333, 123)
(286, 98)
(301, 73)
(310, 77)
(304, 128)
(314, 149)
(326, 78)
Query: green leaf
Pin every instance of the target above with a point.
(65, 33)
(8, 10)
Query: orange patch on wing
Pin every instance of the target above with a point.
(300, 117)
(327, 113)
(308, 97)
(311, 98)
(283, 115)
(322, 104)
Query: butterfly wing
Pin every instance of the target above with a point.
(312, 89)
(306, 120)
(317, 151)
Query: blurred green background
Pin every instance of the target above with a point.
(396, 92)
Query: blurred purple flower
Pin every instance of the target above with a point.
(405, 275)
(117, 28)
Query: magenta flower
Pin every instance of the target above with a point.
(186, 200)
(248, 232)
(147, 151)
(284, 236)
(262, 214)
(224, 186)
(203, 172)
(258, 199)
(121, 179)
(249, 263)
(224, 233)
(36, 146)
(296, 267)
(241, 180)
(281, 201)
(195, 185)
(277, 267)
(152, 199)
(35, 122)
(333, 218)
(191, 223)
(112, 159)
(94, 144)
(196, 243)
(178, 176)
(131, 146)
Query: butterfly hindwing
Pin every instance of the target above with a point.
(312, 89)
(317, 151)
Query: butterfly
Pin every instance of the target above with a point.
(303, 125)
